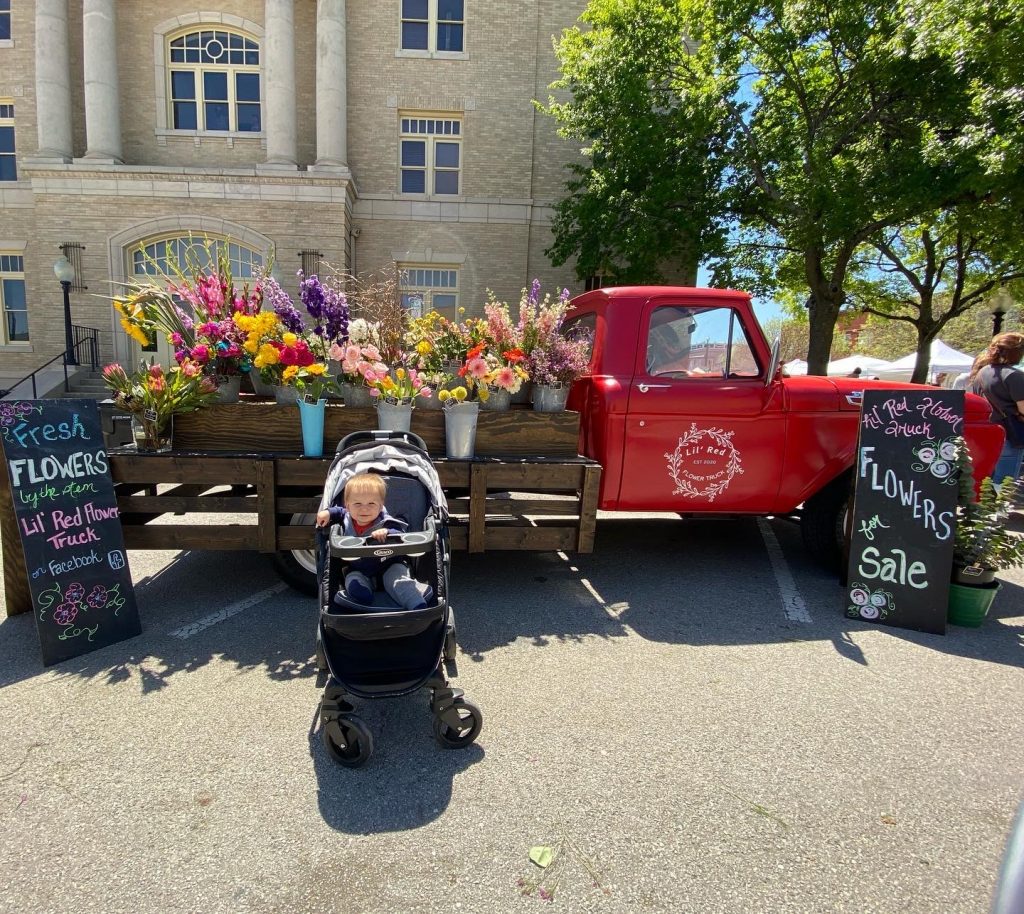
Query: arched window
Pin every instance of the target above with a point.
(214, 81)
(186, 253)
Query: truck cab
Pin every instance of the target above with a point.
(688, 411)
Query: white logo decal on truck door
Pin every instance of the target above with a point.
(704, 463)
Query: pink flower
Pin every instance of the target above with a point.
(336, 353)
(477, 368)
(372, 353)
(505, 378)
(201, 354)
(190, 369)
(352, 354)
(426, 392)
(156, 371)
(176, 340)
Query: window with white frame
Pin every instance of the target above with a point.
(187, 253)
(5, 20)
(431, 155)
(13, 305)
(433, 25)
(214, 81)
(8, 161)
(426, 289)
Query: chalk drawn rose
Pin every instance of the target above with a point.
(926, 453)
(65, 613)
(859, 596)
(74, 593)
(869, 612)
(98, 597)
(947, 450)
(941, 469)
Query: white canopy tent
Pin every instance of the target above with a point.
(795, 367)
(866, 363)
(943, 358)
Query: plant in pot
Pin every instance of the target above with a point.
(982, 543)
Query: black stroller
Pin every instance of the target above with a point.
(378, 649)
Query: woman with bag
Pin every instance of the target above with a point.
(995, 377)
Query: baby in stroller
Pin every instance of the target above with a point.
(363, 514)
(385, 642)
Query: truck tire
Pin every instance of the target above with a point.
(297, 567)
(823, 522)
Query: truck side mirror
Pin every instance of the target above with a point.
(773, 363)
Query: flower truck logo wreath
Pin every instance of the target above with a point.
(704, 463)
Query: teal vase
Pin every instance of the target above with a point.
(312, 417)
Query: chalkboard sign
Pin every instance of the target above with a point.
(64, 502)
(901, 548)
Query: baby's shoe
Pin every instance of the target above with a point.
(359, 592)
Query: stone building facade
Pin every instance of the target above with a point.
(361, 134)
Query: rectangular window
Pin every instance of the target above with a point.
(13, 305)
(183, 100)
(8, 161)
(433, 25)
(426, 289)
(5, 20)
(430, 155)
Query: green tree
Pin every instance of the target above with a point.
(926, 274)
(645, 200)
(805, 128)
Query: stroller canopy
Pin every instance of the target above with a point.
(392, 457)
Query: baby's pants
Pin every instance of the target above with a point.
(399, 584)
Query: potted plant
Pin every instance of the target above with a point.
(396, 392)
(153, 396)
(982, 543)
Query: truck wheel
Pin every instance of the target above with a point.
(297, 567)
(823, 519)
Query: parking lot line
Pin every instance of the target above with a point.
(793, 606)
(193, 628)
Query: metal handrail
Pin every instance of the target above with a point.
(84, 336)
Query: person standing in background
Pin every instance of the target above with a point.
(995, 377)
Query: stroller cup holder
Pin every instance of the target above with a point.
(351, 548)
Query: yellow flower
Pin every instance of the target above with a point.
(290, 372)
(316, 369)
(134, 332)
(268, 355)
(423, 347)
(459, 393)
(443, 395)
(483, 393)
(289, 339)
(251, 344)
(400, 374)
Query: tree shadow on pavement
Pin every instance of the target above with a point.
(193, 609)
(405, 784)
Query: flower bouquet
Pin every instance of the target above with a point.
(402, 385)
(153, 396)
(361, 365)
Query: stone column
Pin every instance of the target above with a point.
(331, 85)
(102, 97)
(279, 81)
(53, 81)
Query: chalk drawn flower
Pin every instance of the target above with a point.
(926, 453)
(65, 613)
(947, 450)
(98, 597)
(74, 593)
(859, 595)
(941, 469)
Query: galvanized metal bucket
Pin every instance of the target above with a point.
(460, 429)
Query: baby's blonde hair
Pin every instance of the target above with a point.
(366, 484)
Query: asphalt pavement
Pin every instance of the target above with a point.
(685, 717)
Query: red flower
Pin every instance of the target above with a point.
(475, 351)
(514, 355)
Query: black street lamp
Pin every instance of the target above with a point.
(1001, 303)
(65, 274)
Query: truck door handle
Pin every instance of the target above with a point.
(643, 388)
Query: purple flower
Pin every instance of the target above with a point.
(74, 593)
(282, 304)
(98, 597)
(328, 307)
(534, 292)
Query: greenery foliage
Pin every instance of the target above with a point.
(982, 537)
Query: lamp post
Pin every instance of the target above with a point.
(1001, 303)
(65, 274)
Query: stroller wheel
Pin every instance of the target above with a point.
(348, 741)
(457, 736)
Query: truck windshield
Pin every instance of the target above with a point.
(698, 342)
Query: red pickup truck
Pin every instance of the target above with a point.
(688, 410)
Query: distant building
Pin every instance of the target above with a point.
(362, 134)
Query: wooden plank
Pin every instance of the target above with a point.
(525, 507)
(266, 427)
(295, 536)
(266, 495)
(535, 477)
(172, 504)
(533, 539)
(168, 468)
(298, 504)
(477, 507)
(17, 593)
(588, 509)
(191, 536)
(302, 471)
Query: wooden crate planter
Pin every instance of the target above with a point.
(260, 427)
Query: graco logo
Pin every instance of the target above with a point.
(383, 552)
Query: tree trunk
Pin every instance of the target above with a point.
(824, 311)
(924, 356)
